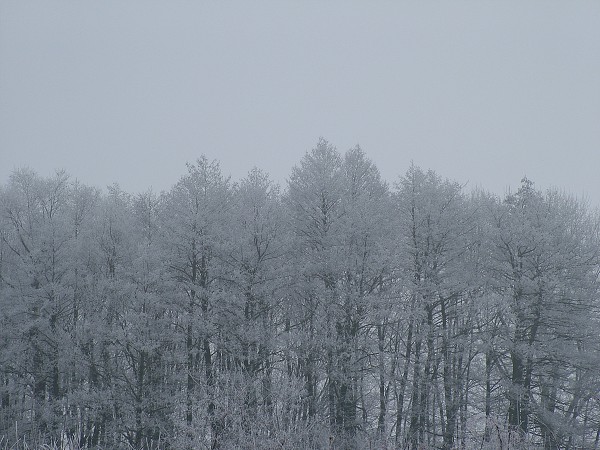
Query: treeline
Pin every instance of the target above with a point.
(338, 313)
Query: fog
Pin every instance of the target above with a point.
(128, 92)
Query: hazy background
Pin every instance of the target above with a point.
(128, 91)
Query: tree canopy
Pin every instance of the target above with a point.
(339, 312)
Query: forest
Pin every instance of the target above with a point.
(337, 312)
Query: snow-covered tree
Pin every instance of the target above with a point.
(194, 222)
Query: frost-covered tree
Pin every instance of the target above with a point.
(255, 255)
(546, 261)
(315, 208)
(194, 220)
(336, 208)
(435, 229)
(37, 297)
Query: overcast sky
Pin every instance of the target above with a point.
(128, 91)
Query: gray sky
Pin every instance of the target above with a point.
(128, 91)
